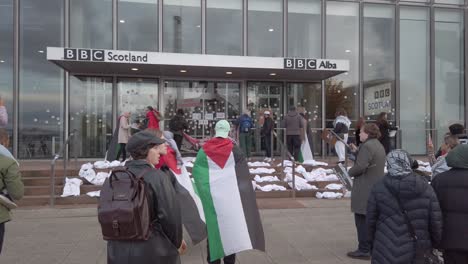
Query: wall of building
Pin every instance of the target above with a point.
(406, 57)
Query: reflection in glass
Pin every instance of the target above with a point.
(137, 25)
(90, 23)
(6, 64)
(309, 97)
(224, 27)
(379, 61)
(41, 82)
(304, 28)
(449, 70)
(450, 2)
(414, 78)
(91, 114)
(182, 26)
(265, 28)
(343, 90)
(134, 95)
(209, 101)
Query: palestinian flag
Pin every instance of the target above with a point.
(223, 180)
(193, 217)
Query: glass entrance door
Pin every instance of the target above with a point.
(90, 114)
(262, 96)
(135, 95)
(203, 104)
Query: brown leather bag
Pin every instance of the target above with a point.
(124, 210)
(328, 137)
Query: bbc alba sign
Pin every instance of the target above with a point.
(309, 64)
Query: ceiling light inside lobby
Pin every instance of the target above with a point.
(2, 61)
(40, 51)
(228, 72)
(273, 74)
(134, 69)
(122, 21)
(271, 30)
(183, 70)
(347, 51)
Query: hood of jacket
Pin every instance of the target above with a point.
(342, 119)
(400, 178)
(292, 113)
(458, 157)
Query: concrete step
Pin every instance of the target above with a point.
(44, 200)
(45, 190)
(47, 173)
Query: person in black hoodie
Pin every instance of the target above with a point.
(389, 231)
(451, 188)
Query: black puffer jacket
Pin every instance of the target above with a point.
(388, 231)
(451, 188)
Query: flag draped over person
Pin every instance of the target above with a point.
(193, 217)
(222, 178)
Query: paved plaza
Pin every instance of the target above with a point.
(320, 232)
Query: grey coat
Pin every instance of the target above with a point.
(293, 124)
(367, 170)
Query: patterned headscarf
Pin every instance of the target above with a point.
(399, 163)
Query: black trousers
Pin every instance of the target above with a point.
(123, 151)
(361, 228)
(267, 139)
(294, 145)
(178, 140)
(455, 257)
(231, 259)
(2, 235)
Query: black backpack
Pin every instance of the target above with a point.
(124, 209)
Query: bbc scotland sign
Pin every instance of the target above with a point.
(309, 64)
(103, 55)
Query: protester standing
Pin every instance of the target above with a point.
(11, 186)
(385, 128)
(165, 242)
(177, 125)
(245, 125)
(222, 177)
(392, 232)
(439, 165)
(152, 118)
(293, 124)
(341, 128)
(124, 135)
(367, 170)
(266, 133)
(451, 188)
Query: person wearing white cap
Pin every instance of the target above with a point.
(266, 132)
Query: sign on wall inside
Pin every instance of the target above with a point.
(378, 98)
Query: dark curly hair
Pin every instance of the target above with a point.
(142, 153)
(372, 130)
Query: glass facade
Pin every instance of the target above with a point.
(343, 90)
(406, 58)
(138, 25)
(265, 28)
(91, 24)
(6, 63)
(40, 82)
(224, 27)
(304, 27)
(414, 78)
(90, 114)
(182, 26)
(449, 70)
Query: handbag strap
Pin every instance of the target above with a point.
(405, 215)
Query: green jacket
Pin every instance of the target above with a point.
(10, 179)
